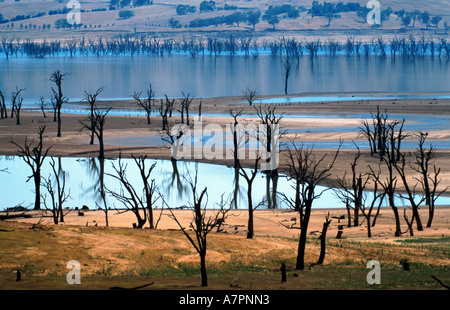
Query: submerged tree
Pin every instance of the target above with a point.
(287, 72)
(34, 157)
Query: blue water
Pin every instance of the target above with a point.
(82, 176)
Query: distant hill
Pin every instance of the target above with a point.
(37, 19)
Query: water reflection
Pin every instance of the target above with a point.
(87, 177)
(211, 76)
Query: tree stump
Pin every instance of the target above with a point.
(283, 273)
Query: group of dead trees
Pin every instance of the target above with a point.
(57, 101)
(16, 105)
(34, 155)
(166, 107)
(411, 176)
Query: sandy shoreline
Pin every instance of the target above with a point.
(276, 223)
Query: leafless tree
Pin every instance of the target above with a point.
(307, 172)
(237, 145)
(411, 194)
(250, 178)
(323, 240)
(185, 103)
(149, 187)
(287, 70)
(8, 46)
(16, 104)
(57, 192)
(368, 206)
(201, 225)
(250, 95)
(351, 193)
(91, 98)
(128, 196)
(174, 138)
(269, 139)
(96, 123)
(146, 103)
(165, 110)
(3, 109)
(223, 211)
(42, 105)
(389, 185)
(58, 97)
(34, 157)
(429, 174)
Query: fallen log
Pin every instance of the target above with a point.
(13, 216)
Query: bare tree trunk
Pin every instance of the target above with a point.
(204, 274)
(323, 241)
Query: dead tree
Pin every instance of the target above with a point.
(8, 46)
(42, 105)
(376, 133)
(91, 98)
(146, 103)
(287, 70)
(34, 157)
(128, 195)
(323, 240)
(165, 110)
(410, 192)
(185, 103)
(307, 172)
(389, 185)
(174, 137)
(96, 124)
(237, 145)
(223, 211)
(429, 174)
(57, 192)
(250, 95)
(352, 194)
(16, 104)
(58, 98)
(250, 178)
(368, 206)
(3, 109)
(201, 225)
(149, 187)
(269, 138)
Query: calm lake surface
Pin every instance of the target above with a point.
(209, 76)
(82, 178)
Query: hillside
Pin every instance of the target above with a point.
(37, 19)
